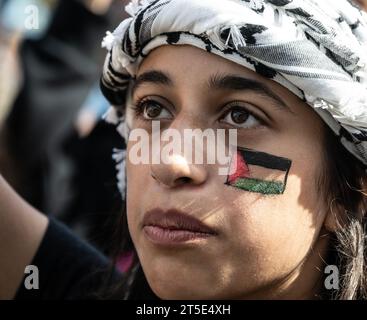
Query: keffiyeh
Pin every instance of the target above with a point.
(315, 48)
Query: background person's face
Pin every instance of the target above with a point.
(266, 246)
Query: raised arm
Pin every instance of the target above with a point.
(21, 231)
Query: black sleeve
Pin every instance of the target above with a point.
(69, 268)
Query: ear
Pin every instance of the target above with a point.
(335, 217)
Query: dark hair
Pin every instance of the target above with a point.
(343, 181)
(134, 285)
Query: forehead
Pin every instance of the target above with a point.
(189, 59)
(192, 67)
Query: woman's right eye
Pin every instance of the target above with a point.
(152, 110)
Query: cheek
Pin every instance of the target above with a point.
(136, 177)
(270, 205)
(273, 234)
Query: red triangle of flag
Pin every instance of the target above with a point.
(240, 170)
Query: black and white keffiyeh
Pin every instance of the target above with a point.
(315, 48)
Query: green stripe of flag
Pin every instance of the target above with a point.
(260, 186)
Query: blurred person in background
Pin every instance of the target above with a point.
(53, 140)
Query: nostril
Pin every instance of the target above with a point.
(183, 180)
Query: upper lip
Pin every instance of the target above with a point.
(175, 220)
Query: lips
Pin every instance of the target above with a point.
(174, 227)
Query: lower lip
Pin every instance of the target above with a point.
(164, 236)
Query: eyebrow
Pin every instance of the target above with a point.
(154, 77)
(235, 82)
(217, 81)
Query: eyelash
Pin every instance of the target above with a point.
(239, 105)
(138, 109)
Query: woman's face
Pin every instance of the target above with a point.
(251, 243)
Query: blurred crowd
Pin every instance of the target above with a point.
(55, 148)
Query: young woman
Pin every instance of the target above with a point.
(290, 78)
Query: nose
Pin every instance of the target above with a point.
(177, 171)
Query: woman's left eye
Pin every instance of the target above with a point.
(240, 117)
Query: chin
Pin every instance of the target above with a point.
(172, 288)
(177, 294)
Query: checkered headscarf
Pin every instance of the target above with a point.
(315, 48)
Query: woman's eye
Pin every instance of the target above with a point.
(151, 110)
(240, 117)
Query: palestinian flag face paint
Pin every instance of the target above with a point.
(258, 172)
